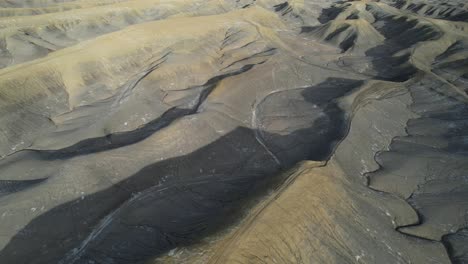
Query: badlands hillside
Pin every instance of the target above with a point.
(233, 131)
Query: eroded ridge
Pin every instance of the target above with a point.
(252, 131)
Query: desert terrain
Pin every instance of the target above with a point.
(233, 131)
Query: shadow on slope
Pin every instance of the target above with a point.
(176, 201)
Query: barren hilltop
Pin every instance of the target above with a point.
(233, 131)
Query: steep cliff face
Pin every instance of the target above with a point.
(248, 131)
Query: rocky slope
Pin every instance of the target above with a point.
(222, 131)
